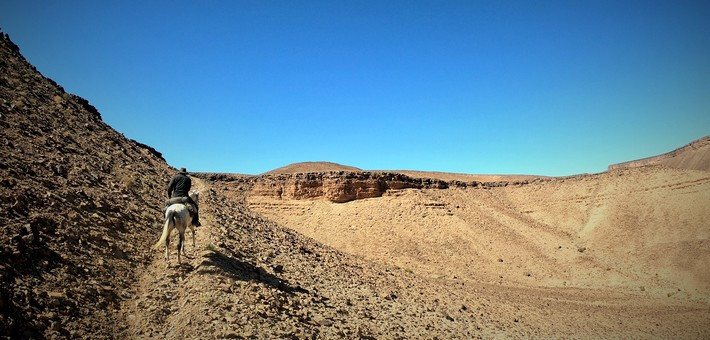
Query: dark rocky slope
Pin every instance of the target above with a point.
(78, 201)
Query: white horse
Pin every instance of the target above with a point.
(177, 216)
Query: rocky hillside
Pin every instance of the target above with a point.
(78, 204)
(694, 156)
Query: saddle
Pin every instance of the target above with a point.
(181, 200)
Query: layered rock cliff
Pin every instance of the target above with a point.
(344, 186)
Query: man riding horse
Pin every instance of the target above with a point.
(180, 187)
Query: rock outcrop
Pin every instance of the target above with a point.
(337, 186)
(345, 186)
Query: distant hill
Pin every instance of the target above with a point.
(304, 167)
(694, 156)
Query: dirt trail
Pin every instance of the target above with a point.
(161, 304)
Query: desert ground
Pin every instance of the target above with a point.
(322, 250)
(612, 246)
(636, 230)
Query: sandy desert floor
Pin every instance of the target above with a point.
(621, 247)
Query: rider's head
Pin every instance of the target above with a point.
(183, 170)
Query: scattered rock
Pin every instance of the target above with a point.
(323, 321)
(278, 269)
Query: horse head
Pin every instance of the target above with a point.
(195, 195)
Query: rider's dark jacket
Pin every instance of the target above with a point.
(179, 186)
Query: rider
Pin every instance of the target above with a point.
(180, 187)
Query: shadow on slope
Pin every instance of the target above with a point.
(220, 263)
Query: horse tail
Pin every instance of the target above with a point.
(169, 218)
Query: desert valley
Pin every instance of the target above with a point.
(323, 250)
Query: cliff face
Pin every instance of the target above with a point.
(337, 186)
(346, 186)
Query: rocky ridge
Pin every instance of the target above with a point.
(693, 156)
(345, 294)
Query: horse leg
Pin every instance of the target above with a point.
(192, 228)
(181, 239)
(167, 250)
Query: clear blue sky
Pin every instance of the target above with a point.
(501, 87)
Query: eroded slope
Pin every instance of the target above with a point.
(694, 156)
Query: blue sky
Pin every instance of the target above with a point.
(498, 87)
